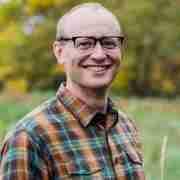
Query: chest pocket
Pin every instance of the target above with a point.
(134, 154)
(84, 169)
(130, 155)
(129, 151)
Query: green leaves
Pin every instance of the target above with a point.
(27, 31)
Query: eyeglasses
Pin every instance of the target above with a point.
(86, 43)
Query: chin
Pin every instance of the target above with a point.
(98, 85)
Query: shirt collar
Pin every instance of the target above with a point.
(80, 109)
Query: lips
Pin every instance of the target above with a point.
(97, 68)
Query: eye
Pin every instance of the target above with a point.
(84, 43)
(109, 44)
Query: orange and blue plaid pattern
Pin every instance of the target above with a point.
(66, 139)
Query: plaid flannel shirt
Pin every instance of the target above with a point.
(66, 139)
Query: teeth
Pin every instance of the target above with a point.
(97, 68)
(104, 66)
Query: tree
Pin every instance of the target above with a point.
(151, 63)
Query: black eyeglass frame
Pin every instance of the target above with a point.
(121, 38)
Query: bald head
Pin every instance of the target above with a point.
(85, 16)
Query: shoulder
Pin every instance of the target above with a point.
(127, 122)
(124, 120)
(37, 121)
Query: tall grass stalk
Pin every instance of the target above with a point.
(163, 156)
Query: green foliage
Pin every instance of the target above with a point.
(151, 59)
(9, 11)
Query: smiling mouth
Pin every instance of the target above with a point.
(97, 68)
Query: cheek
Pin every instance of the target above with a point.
(72, 69)
(116, 59)
(116, 55)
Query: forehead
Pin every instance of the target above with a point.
(92, 23)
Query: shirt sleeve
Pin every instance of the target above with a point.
(20, 160)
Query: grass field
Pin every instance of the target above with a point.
(157, 119)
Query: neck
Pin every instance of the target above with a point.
(93, 97)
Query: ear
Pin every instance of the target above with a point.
(124, 47)
(57, 50)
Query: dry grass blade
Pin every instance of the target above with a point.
(163, 156)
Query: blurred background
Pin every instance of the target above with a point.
(147, 87)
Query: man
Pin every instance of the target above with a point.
(79, 134)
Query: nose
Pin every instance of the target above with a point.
(98, 52)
